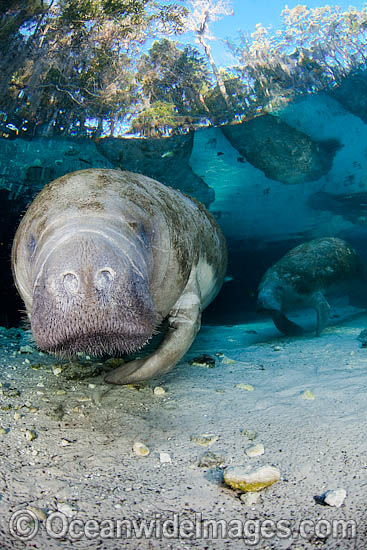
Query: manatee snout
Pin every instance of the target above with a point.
(90, 297)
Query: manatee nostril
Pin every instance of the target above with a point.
(104, 278)
(70, 281)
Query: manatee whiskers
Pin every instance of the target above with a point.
(100, 252)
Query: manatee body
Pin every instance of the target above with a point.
(305, 276)
(102, 257)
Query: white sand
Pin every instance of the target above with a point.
(317, 444)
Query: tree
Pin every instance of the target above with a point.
(201, 14)
(76, 58)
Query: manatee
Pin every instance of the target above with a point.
(102, 257)
(305, 276)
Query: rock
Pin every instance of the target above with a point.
(166, 160)
(246, 387)
(56, 413)
(282, 152)
(211, 460)
(206, 361)
(204, 439)
(30, 435)
(307, 394)
(38, 512)
(140, 449)
(250, 434)
(67, 509)
(256, 449)
(247, 479)
(26, 349)
(164, 458)
(334, 497)
(250, 499)
(158, 390)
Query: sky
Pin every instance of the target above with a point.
(249, 12)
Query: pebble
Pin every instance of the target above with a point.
(57, 371)
(30, 435)
(158, 390)
(204, 439)
(164, 458)
(256, 449)
(66, 442)
(140, 449)
(60, 392)
(227, 360)
(38, 512)
(211, 460)
(3, 431)
(277, 348)
(334, 497)
(250, 434)
(307, 394)
(251, 480)
(17, 416)
(204, 360)
(66, 509)
(26, 349)
(91, 386)
(247, 387)
(251, 499)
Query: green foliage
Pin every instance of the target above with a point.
(315, 49)
(64, 62)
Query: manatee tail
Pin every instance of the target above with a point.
(286, 326)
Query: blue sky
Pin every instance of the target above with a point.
(249, 12)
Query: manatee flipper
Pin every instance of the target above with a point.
(183, 325)
(284, 325)
(320, 304)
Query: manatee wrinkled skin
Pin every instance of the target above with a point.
(102, 257)
(304, 276)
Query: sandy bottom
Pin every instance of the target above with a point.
(81, 461)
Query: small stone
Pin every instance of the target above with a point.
(204, 439)
(140, 449)
(250, 434)
(206, 361)
(67, 509)
(250, 499)
(307, 394)
(211, 460)
(84, 399)
(91, 386)
(38, 512)
(30, 435)
(57, 371)
(256, 449)
(227, 360)
(26, 349)
(334, 497)
(277, 348)
(60, 392)
(33, 410)
(3, 431)
(158, 390)
(10, 392)
(56, 413)
(17, 416)
(250, 480)
(246, 387)
(66, 443)
(164, 458)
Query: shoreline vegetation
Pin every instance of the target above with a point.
(95, 68)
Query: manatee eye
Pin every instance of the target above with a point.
(70, 281)
(104, 277)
